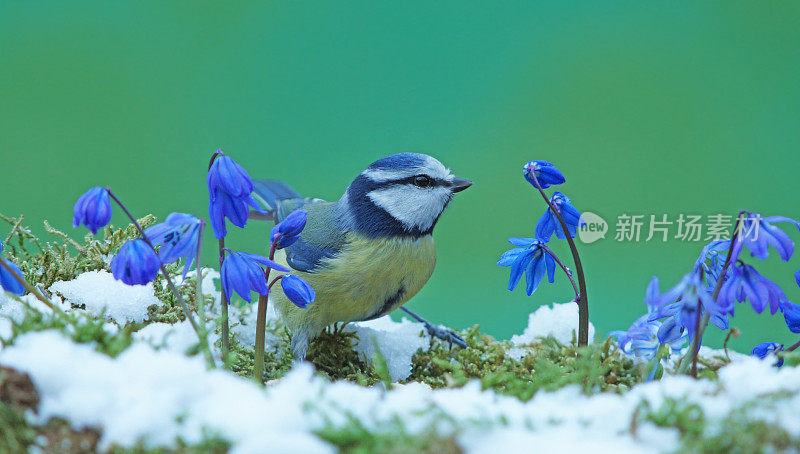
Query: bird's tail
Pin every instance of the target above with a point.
(270, 192)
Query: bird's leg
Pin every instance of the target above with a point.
(447, 335)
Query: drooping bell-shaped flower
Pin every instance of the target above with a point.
(530, 259)
(230, 191)
(242, 273)
(93, 209)
(744, 282)
(759, 234)
(135, 263)
(683, 302)
(546, 174)
(298, 290)
(548, 223)
(178, 236)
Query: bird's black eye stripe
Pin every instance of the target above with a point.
(422, 181)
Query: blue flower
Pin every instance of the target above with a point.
(178, 236)
(548, 223)
(135, 263)
(242, 273)
(93, 209)
(791, 314)
(547, 174)
(297, 290)
(759, 233)
(230, 177)
(230, 192)
(764, 349)
(645, 336)
(287, 232)
(8, 282)
(529, 258)
(711, 258)
(682, 302)
(745, 283)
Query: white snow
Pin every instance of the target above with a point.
(99, 291)
(153, 393)
(558, 320)
(397, 342)
(154, 396)
(12, 310)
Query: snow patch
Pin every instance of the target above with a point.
(396, 341)
(99, 291)
(165, 395)
(558, 320)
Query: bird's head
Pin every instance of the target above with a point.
(401, 195)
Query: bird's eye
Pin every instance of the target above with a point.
(422, 181)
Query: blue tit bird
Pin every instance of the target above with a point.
(368, 253)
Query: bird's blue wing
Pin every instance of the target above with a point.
(322, 238)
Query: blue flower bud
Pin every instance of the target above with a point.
(93, 209)
(287, 232)
(764, 349)
(669, 331)
(135, 263)
(297, 290)
(242, 273)
(8, 282)
(547, 174)
(791, 314)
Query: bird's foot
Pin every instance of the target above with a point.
(445, 334)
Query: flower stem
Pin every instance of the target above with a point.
(691, 355)
(583, 302)
(170, 284)
(226, 342)
(792, 347)
(274, 281)
(261, 325)
(224, 308)
(30, 288)
(566, 270)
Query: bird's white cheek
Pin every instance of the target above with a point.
(413, 206)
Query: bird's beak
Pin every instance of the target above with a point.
(459, 184)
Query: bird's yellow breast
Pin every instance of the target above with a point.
(367, 279)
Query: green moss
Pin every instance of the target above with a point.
(736, 433)
(78, 326)
(393, 439)
(333, 356)
(276, 364)
(15, 433)
(547, 365)
(64, 258)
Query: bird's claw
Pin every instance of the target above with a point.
(447, 335)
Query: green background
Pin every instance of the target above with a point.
(647, 107)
